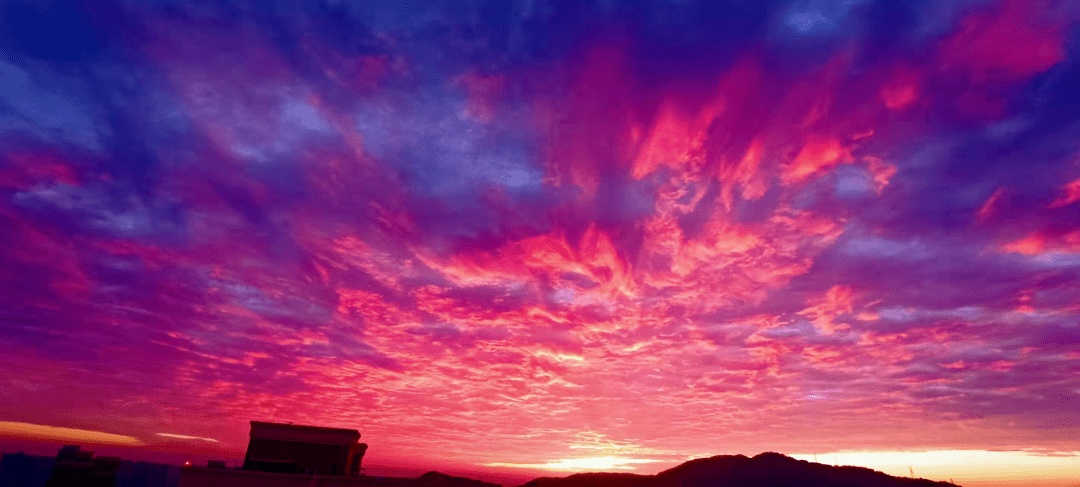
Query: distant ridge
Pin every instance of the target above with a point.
(764, 470)
(597, 479)
(443, 479)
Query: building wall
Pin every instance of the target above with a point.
(356, 458)
(323, 459)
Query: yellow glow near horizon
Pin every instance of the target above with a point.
(967, 467)
(31, 431)
(584, 464)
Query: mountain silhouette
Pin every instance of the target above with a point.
(595, 479)
(443, 479)
(764, 470)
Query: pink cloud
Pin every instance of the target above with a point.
(1070, 193)
(1015, 39)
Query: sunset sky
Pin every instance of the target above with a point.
(548, 235)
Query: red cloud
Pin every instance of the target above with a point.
(1070, 193)
(837, 302)
(818, 153)
(1040, 242)
(902, 88)
(990, 205)
(25, 169)
(1017, 39)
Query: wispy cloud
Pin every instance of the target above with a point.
(186, 437)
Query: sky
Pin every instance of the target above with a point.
(547, 235)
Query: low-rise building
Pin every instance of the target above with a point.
(289, 448)
(285, 455)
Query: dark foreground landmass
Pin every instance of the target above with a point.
(24, 470)
(764, 470)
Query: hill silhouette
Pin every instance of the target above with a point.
(444, 479)
(764, 470)
(595, 479)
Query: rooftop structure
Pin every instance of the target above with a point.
(297, 449)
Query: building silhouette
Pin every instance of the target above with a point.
(75, 467)
(288, 448)
(284, 455)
